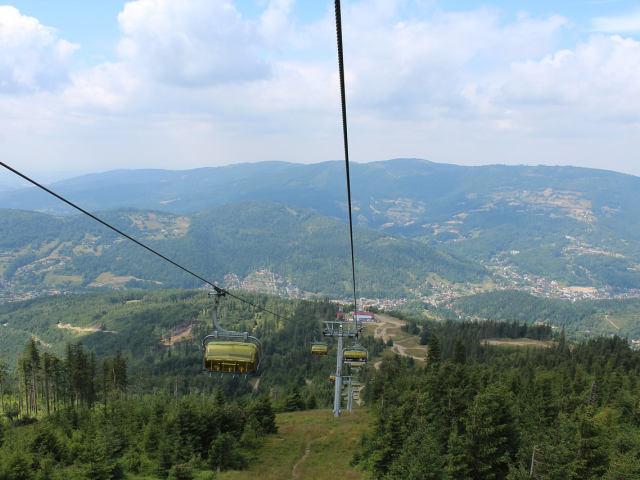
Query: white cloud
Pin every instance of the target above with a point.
(420, 68)
(621, 24)
(597, 81)
(197, 81)
(31, 58)
(276, 23)
(190, 43)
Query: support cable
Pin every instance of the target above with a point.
(215, 287)
(346, 145)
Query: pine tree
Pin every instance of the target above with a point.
(491, 435)
(293, 401)
(29, 367)
(47, 368)
(262, 416)
(311, 402)
(434, 355)
(219, 398)
(459, 352)
(4, 373)
(593, 441)
(421, 457)
(120, 375)
(456, 465)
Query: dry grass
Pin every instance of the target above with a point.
(518, 342)
(315, 443)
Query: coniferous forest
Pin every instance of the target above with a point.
(76, 417)
(568, 411)
(132, 405)
(74, 410)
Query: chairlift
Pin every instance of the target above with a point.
(226, 351)
(319, 348)
(356, 366)
(355, 354)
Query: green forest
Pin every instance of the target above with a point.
(569, 411)
(125, 402)
(298, 244)
(577, 226)
(581, 319)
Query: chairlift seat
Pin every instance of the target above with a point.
(231, 357)
(319, 349)
(355, 356)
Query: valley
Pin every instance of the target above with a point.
(554, 232)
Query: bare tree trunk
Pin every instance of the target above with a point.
(35, 392)
(19, 398)
(46, 388)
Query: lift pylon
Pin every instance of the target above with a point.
(339, 330)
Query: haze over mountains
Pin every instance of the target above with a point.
(552, 231)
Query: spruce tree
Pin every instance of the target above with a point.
(293, 401)
(262, 416)
(219, 398)
(434, 355)
(459, 352)
(456, 466)
(4, 372)
(491, 435)
(421, 458)
(593, 440)
(311, 402)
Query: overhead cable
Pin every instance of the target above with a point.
(346, 143)
(215, 287)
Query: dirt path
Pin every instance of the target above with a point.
(401, 349)
(307, 450)
(606, 317)
(255, 387)
(525, 342)
(382, 329)
(84, 329)
(37, 340)
(178, 334)
(387, 330)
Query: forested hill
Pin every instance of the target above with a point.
(127, 403)
(584, 319)
(431, 191)
(298, 250)
(576, 226)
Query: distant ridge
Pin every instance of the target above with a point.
(579, 227)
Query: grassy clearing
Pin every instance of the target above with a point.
(518, 342)
(313, 442)
(109, 279)
(54, 279)
(56, 253)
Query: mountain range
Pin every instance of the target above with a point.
(577, 227)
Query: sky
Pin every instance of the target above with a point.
(178, 84)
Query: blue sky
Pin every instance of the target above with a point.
(93, 86)
(94, 25)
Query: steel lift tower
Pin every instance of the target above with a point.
(339, 330)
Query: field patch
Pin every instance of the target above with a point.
(517, 342)
(310, 444)
(56, 279)
(108, 279)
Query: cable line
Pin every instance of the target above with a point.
(346, 144)
(215, 287)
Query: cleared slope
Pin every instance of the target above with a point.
(310, 444)
(577, 226)
(306, 248)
